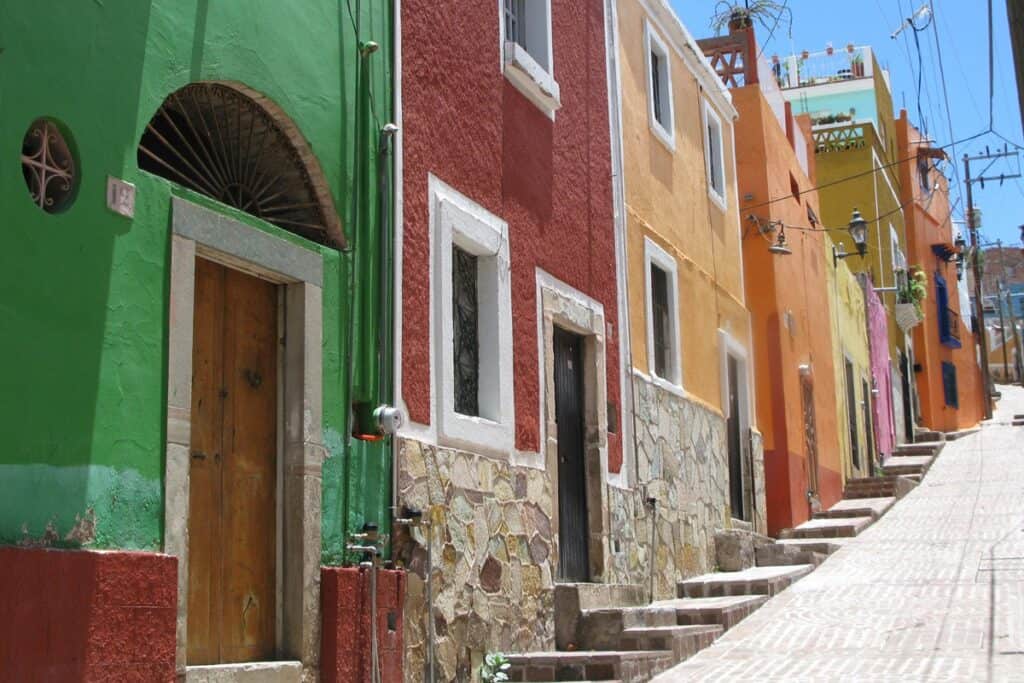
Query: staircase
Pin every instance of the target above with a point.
(610, 632)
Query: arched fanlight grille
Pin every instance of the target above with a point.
(236, 146)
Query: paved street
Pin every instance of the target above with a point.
(933, 592)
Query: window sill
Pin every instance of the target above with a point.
(717, 199)
(665, 137)
(529, 78)
(475, 434)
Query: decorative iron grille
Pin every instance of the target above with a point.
(234, 145)
(48, 166)
(465, 320)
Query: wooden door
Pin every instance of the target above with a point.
(232, 524)
(574, 556)
(810, 435)
(734, 433)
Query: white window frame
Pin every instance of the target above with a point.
(899, 259)
(653, 43)
(656, 256)
(730, 346)
(719, 197)
(532, 74)
(456, 219)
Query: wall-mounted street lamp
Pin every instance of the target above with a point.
(781, 247)
(859, 233)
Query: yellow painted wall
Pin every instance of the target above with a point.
(667, 201)
(850, 342)
(875, 195)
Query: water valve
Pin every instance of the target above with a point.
(389, 419)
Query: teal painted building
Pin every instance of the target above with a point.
(154, 135)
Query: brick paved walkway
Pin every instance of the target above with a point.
(932, 592)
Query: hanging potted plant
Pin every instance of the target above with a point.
(910, 293)
(738, 15)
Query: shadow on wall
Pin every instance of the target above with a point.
(83, 310)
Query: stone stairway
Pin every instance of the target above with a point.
(610, 633)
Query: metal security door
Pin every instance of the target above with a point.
(573, 557)
(735, 436)
(810, 435)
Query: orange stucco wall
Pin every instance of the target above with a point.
(928, 219)
(790, 314)
(667, 201)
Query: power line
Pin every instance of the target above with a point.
(862, 174)
(991, 71)
(949, 115)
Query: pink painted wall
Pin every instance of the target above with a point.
(551, 180)
(878, 339)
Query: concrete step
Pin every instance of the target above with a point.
(756, 581)
(824, 546)
(780, 555)
(928, 435)
(907, 465)
(829, 528)
(574, 599)
(926, 448)
(602, 629)
(623, 666)
(858, 507)
(725, 611)
(954, 436)
(878, 487)
(683, 641)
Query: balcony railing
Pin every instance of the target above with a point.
(840, 138)
(818, 68)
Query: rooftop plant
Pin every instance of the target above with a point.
(739, 14)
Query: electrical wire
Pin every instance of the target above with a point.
(862, 174)
(949, 115)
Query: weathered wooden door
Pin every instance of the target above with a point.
(574, 556)
(734, 432)
(810, 435)
(232, 525)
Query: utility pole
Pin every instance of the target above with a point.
(1002, 330)
(979, 304)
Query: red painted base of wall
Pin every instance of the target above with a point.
(78, 615)
(345, 655)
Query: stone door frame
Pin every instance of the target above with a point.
(197, 231)
(559, 305)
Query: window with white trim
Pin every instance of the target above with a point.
(659, 86)
(899, 261)
(471, 323)
(662, 298)
(526, 51)
(714, 152)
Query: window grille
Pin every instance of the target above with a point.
(48, 167)
(465, 314)
(662, 323)
(515, 15)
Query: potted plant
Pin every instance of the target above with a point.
(850, 48)
(738, 15)
(829, 50)
(804, 55)
(857, 65)
(495, 668)
(912, 290)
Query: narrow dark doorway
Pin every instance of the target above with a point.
(574, 564)
(851, 415)
(869, 427)
(735, 436)
(908, 408)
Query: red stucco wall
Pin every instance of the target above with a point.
(76, 615)
(345, 638)
(551, 181)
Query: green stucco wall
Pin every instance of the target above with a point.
(84, 305)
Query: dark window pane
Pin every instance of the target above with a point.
(465, 318)
(515, 15)
(662, 323)
(949, 388)
(656, 87)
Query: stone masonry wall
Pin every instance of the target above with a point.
(493, 554)
(683, 463)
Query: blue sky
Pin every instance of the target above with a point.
(963, 33)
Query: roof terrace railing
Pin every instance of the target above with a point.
(829, 66)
